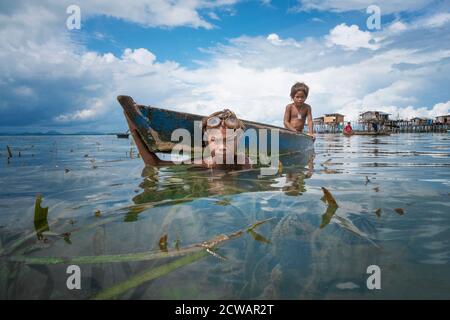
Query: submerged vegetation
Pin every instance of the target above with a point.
(234, 234)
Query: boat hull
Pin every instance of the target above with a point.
(152, 130)
(348, 133)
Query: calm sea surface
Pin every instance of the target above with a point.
(142, 233)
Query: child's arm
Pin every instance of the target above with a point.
(310, 123)
(287, 119)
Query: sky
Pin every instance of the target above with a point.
(200, 56)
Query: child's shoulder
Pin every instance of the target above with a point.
(289, 106)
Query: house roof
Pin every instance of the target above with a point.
(380, 112)
(334, 114)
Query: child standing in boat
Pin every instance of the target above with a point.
(298, 112)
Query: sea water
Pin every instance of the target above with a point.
(179, 232)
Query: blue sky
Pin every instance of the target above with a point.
(181, 44)
(203, 55)
(250, 18)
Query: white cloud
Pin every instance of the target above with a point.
(410, 112)
(213, 16)
(434, 21)
(396, 93)
(351, 38)
(315, 19)
(97, 108)
(274, 39)
(266, 2)
(386, 6)
(139, 56)
(149, 13)
(397, 26)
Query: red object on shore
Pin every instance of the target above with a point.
(348, 130)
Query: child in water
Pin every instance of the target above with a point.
(297, 112)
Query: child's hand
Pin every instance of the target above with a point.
(312, 136)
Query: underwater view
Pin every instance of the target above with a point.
(180, 232)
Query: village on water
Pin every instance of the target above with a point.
(380, 122)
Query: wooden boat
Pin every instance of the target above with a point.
(123, 135)
(348, 133)
(152, 128)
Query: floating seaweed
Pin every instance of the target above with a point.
(280, 167)
(328, 197)
(40, 218)
(223, 202)
(215, 254)
(163, 243)
(9, 152)
(258, 223)
(330, 171)
(256, 236)
(378, 212)
(66, 237)
(326, 217)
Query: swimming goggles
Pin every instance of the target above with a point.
(226, 116)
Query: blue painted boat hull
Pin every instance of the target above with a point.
(152, 129)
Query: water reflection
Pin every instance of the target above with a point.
(183, 183)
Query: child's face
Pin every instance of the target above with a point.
(299, 98)
(221, 141)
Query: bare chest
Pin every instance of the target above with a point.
(299, 113)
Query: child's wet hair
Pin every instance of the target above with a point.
(299, 86)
